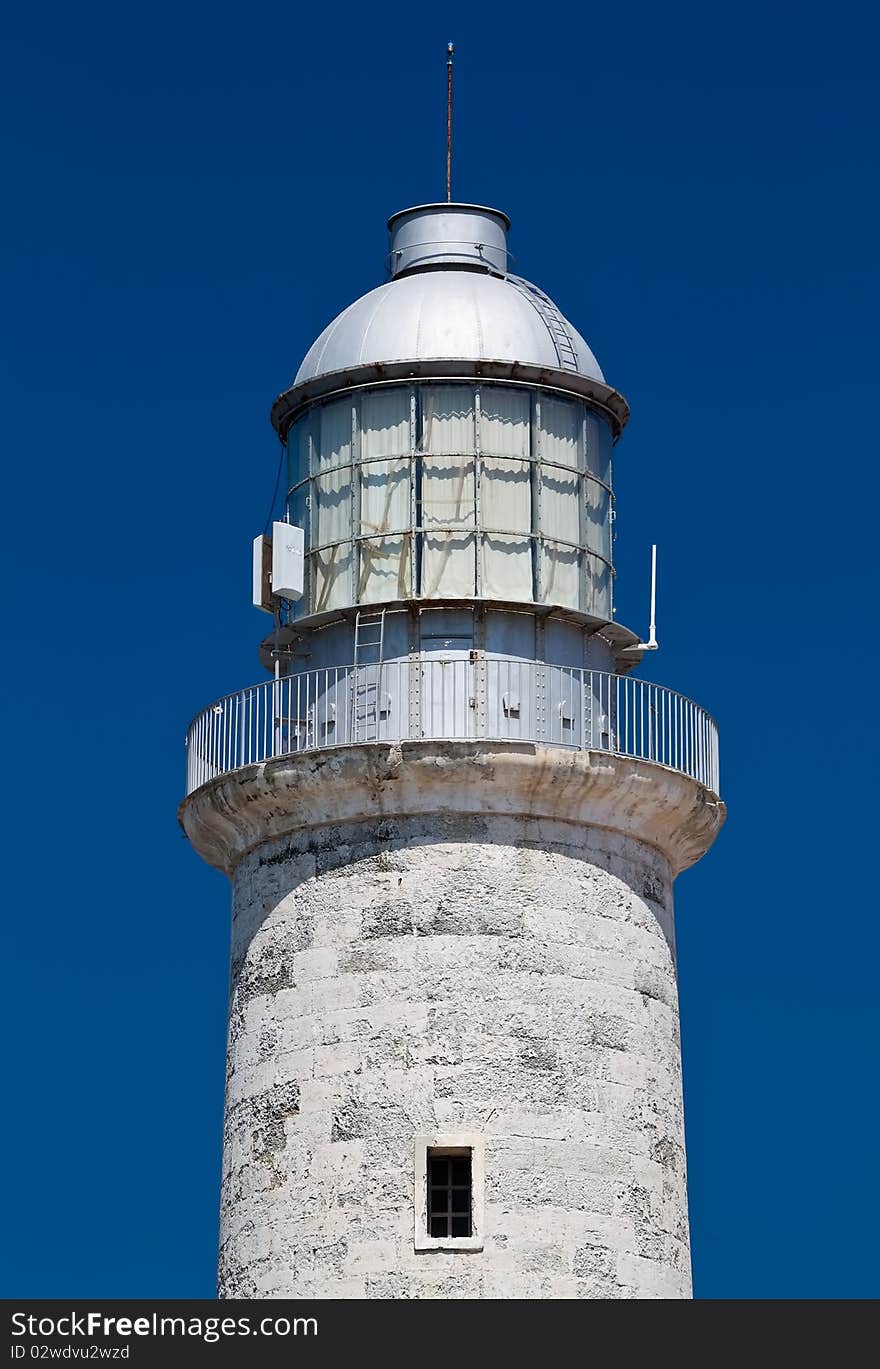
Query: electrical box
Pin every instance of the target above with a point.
(288, 555)
(262, 590)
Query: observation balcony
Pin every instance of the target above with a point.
(466, 698)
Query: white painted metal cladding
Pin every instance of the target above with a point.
(448, 234)
(442, 315)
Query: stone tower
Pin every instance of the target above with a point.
(452, 820)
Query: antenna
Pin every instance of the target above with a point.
(652, 644)
(450, 49)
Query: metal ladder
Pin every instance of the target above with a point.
(366, 694)
(556, 325)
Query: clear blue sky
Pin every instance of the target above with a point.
(191, 191)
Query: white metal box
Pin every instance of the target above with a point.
(262, 583)
(288, 554)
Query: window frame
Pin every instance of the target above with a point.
(459, 1143)
(450, 1192)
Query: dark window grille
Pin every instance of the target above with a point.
(450, 1188)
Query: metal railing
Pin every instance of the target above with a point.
(440, 697)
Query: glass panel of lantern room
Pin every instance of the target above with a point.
(505, 494)
(300, 443)
(561, 436)
(447, 444)
(597, 518)
(384, 495)
(385, 574)
(297, 505)
(505, 422)
(598, 453)
(302, 447)
(560, 504)
(599, 588)
(561, 575)
(331, 508)
(331, 577)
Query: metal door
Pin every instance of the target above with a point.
(448, 687)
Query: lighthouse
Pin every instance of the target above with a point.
(452, 815)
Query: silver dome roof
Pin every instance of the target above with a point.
(450, 315)
(452, 310)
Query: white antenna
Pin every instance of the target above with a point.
(652, 644)
(450, 49)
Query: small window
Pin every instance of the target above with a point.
(448, 1192)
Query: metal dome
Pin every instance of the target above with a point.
(450, 315)
(451, 309)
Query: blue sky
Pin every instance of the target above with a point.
(191, 193)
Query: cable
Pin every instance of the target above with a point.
(274, 492)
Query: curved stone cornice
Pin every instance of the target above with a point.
(240, 810)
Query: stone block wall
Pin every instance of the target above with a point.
(507, 976)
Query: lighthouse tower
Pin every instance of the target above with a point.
(452, 819)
